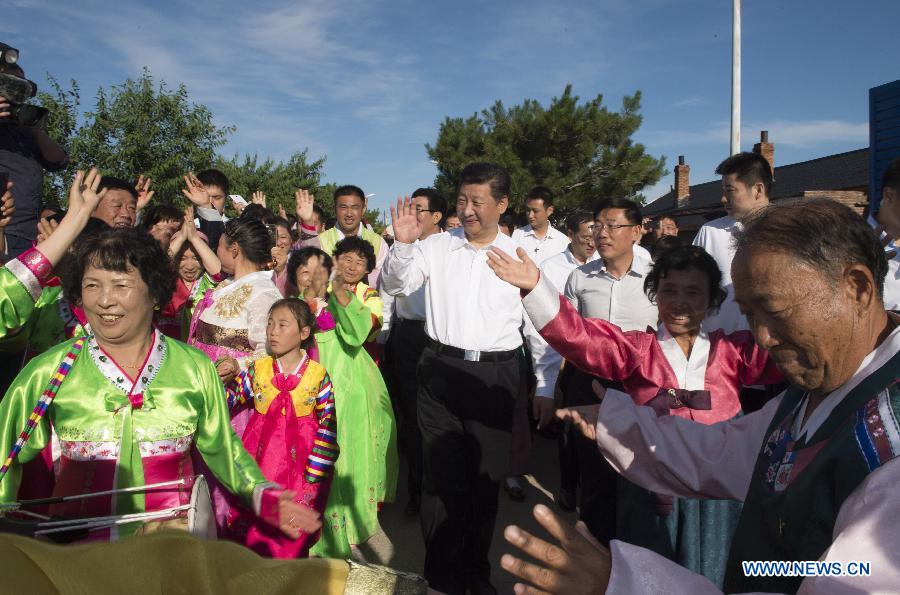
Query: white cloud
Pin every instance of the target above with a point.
(802, 134)
(690, 101)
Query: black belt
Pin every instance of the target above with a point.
(470, 355)
(409, 321)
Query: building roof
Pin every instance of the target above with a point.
(842, 171)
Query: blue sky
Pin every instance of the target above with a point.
(368, 82)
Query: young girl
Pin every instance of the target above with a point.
(366, 473)
(292, 429)
(198, 268)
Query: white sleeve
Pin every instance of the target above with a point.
(867, 530)
(387, 313)
(680, 457)
(405, 269)
(258, 317)
(208, 214)
(700, 238)
(570, 292)
(545, 360)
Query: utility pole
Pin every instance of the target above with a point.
(736, 78)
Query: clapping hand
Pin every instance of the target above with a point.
(522, 273)
(188, 229)
(259, 198)
(579, 564)
(196, 192)
(144, 194)
(304, 208)
(405, 221)
(7, 205)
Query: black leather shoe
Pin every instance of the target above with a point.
(566, 500)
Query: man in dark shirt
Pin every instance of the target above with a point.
(25, 152)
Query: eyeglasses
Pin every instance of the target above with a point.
(612, 227)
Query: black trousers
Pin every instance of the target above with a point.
(405, 347)
(465, 416)
(584, 464)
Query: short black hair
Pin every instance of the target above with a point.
(213, 177)
(540, 193)
(252, 236)
(631, 208)
(508, 220)
(158, 213)
(436, 202)
(116, 250)
(749, 168)
(657, 223)
(114, 183)
(349, 190)
(577, 218)
(685, 258)
(487, 173)
(822, 233)
(300, 257)
(356, 245)
(259, 212)
(664, 244)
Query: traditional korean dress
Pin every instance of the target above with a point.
(118, 432)
(175, 318)
(292, 435)
(230, 321)
(704, 388)
(21, 281)
(365, 474)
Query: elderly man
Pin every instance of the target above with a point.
(814, 467)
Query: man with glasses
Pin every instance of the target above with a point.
(404, 328)
(610, 288)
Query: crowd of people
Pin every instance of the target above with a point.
(728, 400)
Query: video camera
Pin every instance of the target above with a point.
(18, 90)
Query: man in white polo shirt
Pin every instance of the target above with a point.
(470, 374)
(540, 239)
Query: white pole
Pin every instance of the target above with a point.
(736, 78)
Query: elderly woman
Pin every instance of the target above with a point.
(128, 404)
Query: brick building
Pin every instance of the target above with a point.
(844, 177)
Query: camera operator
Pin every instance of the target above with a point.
(25, 150)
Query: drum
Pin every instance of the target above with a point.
(201, 519)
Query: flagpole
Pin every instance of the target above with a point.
(736, 78)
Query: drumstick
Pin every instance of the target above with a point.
(96, 523)
(59, 499)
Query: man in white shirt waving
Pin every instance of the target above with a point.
(540, 239)
(470, 374)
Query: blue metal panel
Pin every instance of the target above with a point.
(884, 135)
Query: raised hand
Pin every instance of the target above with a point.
(522, 273)
(83, 192)
(279, 257)
(7, 205)
(45, 229)
(188, 229)
(196, 192)
(304, 206)
(142, 187)
(405, 221)
(294, 518)
(281, 212)
(579, 564)
(259, 198)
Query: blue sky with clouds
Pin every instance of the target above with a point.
(368, 82)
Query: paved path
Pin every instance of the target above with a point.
(400, 544)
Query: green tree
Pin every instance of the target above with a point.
(140, 127)
(61, 124)
(583, 152)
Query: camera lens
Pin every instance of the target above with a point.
(10, 56)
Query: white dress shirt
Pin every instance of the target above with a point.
(892, 279)
(597, 294)
(410, 307)
(466, 305)
(540, 249)
(716, 237)
(546, 360)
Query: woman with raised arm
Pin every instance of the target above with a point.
(679, 370)
(128, 404)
